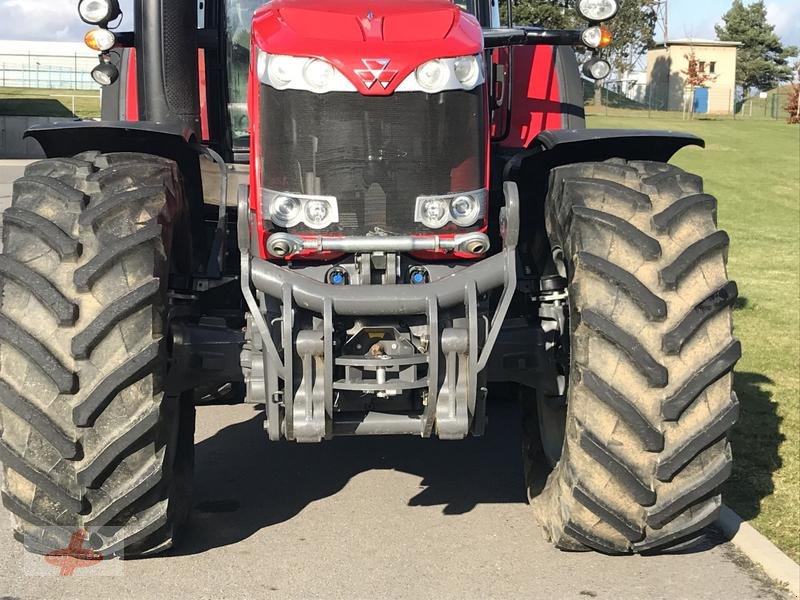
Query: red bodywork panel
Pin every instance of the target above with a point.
(535, 95)
(407, 32)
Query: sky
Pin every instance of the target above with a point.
(57, 20)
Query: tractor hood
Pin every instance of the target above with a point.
(407, 33)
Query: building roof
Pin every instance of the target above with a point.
(702, 42)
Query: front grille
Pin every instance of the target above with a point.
(376, 154)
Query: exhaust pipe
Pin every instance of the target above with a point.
(166, 50)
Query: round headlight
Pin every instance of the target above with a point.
(318, 74)
(280, 70)
(467, 70)
(465, 210)
(434, 213)
(105, 73)
(100, 39)
(597, 68)
(433, 75)
(317, 212)
(592, 37)
(283, 210)
(598, 10)
(96, 11)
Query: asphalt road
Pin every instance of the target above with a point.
(373, 518)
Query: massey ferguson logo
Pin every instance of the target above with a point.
(376, 71)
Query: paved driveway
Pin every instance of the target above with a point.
(375, 518)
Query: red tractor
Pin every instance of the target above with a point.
(364, 216)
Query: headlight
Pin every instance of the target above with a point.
(598, 10)
(467, 70)
(280, 70)
(100, 39)
(597, 68)
(465, 210)
(98, 11)
(317, 213)
(290, 210)
(433, 76)
(597, 37)
(318, 74)
(462, 209)
(284, 210)
(434, 213)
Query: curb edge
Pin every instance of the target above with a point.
(760, 550)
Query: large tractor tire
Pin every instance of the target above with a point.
(649, 402)
(90, 442)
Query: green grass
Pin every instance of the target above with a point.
(32, 102)
(753, 167)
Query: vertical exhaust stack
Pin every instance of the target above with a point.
(166, 48)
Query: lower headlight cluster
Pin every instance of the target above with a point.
(462, 209)
(291, 210)
(299, 73)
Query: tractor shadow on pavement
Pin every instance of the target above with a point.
(244, 483)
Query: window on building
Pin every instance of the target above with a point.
(701, 66)
(712, 67)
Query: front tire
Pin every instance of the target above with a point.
(89, 438)
(649, 401)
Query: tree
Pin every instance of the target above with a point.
(763, 60)
(695, 77)
(633, 27)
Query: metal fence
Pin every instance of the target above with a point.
(631, 98)
(47, 72)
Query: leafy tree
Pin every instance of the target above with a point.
(694, 76)
(763, 59)
(633, 27)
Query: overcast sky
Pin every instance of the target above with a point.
(57, 20)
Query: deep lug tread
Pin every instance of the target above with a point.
(677, 458)
(717, 367)
(682, 527)
(672, 275)
(654, 307)
(11, 459)
(642, 463)
(656, 374)
(85, 413)
(615, 465)
(651, 437)
(630, 531)
(87, 275)
(649, 247)
(715, 303)
(591, 541)
(89, 475)
(39, 355)
(111, 510)
(51, 234)
(78, 207)
(26, 410)
(691, 491)
(583, 187)
(87, 340)
(663, 221)
(119, 201)
(65, 312)
(51, 188)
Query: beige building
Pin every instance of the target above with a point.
(666, 66)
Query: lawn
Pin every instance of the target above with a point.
(31, 102)
(753, 167)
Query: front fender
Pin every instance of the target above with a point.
(557, 147)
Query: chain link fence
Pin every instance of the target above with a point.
(635, 99)
(47, 72)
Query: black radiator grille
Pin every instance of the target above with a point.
(376, 154)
